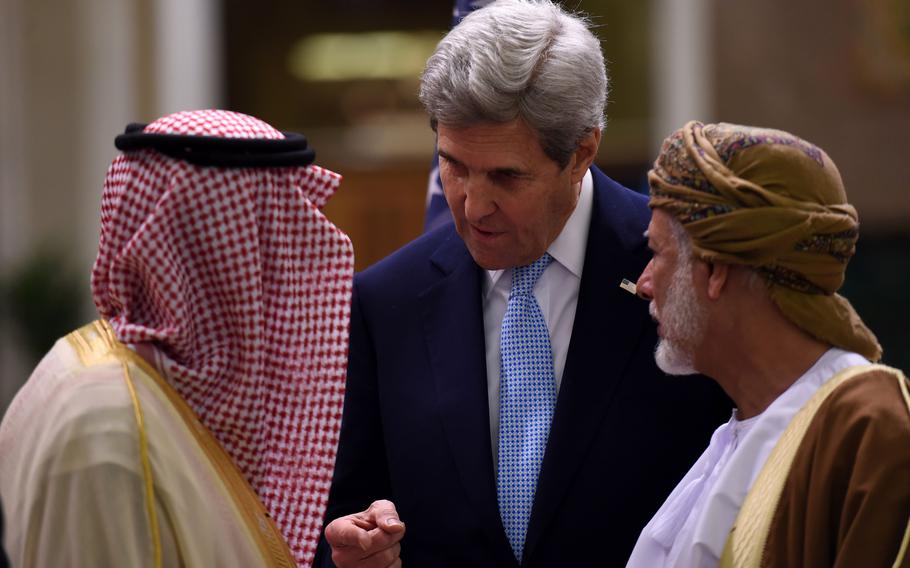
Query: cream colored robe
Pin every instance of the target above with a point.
(103, 464)
(835, 492)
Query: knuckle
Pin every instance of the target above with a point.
(396, 550)
(384, 558)
(381, 504)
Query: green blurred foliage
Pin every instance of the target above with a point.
(42, 300)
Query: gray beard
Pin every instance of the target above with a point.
(673, 359)
(683, 320)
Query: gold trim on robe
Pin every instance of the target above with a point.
(96, 343)
(747, 540)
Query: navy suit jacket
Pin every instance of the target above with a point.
(416, 426)
(4, 561)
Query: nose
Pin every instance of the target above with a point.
(478, 201)
(644, 285)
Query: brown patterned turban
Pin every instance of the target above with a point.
(769, 200)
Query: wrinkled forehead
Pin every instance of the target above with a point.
(660, 232)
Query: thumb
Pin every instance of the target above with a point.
(386, 517)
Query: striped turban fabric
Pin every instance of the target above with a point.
(774, 202)
(244, 285)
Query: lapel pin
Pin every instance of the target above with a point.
(628, 286)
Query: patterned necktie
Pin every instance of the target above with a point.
(527, 397)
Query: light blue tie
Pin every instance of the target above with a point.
(527, 397)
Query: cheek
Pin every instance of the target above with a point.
(451, 176)
(659, 280)
(517, 214)
(453, 191)
(450, 184)
(655, 272)
(550, 213)
(535, 217)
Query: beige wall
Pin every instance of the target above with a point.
(73, 73)
(68, 88)
(836, 72)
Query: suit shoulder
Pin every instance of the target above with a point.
(410, 265)
(615, 191)
(620, 212)
(619, 203)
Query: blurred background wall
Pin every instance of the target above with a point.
(73, 73)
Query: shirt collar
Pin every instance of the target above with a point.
(569, 247)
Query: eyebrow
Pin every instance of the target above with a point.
(447, 156)
(514, 172)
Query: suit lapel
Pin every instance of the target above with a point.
(452, 316)
(607, 327)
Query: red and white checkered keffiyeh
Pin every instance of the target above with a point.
(239, 279)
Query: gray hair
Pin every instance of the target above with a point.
(520, 58)
(682, 238)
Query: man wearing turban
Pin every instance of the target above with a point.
(196, 422)
(751, 234)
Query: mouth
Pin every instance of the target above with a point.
(652, 310)
(484, 235)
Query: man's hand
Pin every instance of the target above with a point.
(368, 539)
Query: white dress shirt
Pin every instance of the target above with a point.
(691, 527)
(556, 292)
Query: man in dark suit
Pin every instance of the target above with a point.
(4, 561)
(516, 94)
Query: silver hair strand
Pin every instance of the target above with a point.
(520, 59)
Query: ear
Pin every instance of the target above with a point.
(717, 279)
(584, 155)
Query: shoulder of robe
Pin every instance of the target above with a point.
(871, 402)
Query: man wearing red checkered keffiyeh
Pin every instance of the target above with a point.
(196, 423)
